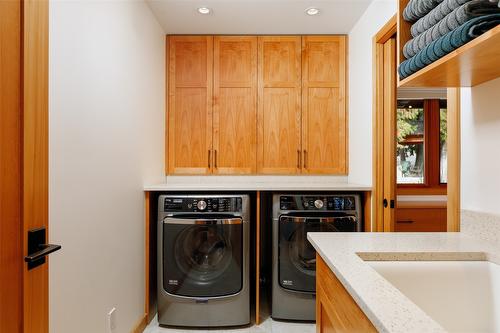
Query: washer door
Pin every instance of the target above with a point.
(202, 257)
(297, 257)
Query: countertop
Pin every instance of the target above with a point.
(257, 183)
(387, 308)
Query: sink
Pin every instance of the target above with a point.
(462, 296)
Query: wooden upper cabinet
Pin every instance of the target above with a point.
(235, 105)
(190, 65)
(279, 110)
(324, 116)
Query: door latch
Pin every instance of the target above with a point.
(37, 248)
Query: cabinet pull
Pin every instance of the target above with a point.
(305, 159)
(405, 221)
(298, 158)
(209, 155)
(215, 158)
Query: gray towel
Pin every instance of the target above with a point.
(435, 15)
(419, 8)
(453, 20)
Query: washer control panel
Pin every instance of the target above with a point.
(329, 202)
(206, 204)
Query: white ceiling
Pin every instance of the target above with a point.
(257, 16)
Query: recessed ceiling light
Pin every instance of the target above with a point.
(204, 10)
(311, 11)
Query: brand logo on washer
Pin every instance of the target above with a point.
(173, 282)
(288, 282)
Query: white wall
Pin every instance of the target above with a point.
(480, 170)
(361, 88)
(106, 140)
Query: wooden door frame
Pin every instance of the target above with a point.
(453, 145)
(24, 161)
(382, 36)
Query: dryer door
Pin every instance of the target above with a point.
(202, 257)
(297, 257)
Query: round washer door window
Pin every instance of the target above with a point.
(203, 253)
(300, 251)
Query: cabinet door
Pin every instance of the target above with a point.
(189, 104)
(235, 105)
(279, 110)
(324, 117)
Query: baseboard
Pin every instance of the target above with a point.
(141, 324)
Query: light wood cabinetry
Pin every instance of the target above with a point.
(235, 105)
(336, 310)
(324, 116)
(279, 119)
(420, 219)
(267, 105)
(189, 124)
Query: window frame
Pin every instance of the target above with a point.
(432, 159)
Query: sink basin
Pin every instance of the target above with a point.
(462, 296)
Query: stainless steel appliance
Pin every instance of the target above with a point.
(203, 260)
(294, 258)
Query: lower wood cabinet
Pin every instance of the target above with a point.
(424, 219)
(336, 310)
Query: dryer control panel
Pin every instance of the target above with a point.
(329, 202)
(203, 204)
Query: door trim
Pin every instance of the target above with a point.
(382, 36)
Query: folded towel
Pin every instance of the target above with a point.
(419, 8)
(447, 43)
(453, 20)
(435, 15)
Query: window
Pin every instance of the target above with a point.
(421, 154)
(410, 151)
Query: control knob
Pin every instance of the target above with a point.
(202, 204)
(318, 204)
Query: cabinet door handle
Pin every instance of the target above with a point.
(405, 221)
(209, 155)
(298, 158)
(305, 159)
(215, 158)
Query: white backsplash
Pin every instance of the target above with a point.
(481, 225)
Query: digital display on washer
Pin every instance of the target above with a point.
(201, 204)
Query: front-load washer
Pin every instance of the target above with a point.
(294, 258)
(203, 260)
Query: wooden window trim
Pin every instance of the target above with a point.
(432, 184)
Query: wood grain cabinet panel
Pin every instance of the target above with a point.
(235, 105)
(279, 116)
(336, 310)
(430, 219)
(189, 104)
(324, 116)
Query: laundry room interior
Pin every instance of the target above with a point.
(249, 166)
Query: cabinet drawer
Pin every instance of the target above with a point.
(420, 220)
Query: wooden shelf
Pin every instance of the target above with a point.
(473, 63)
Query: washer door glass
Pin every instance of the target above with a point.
(203, 253)
(202, 257)
(300, 251)
(297, 257)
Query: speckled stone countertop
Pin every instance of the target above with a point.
(388, 309)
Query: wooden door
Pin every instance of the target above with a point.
(23, 163)
(235, 105)
(279, 110)
(189, 121)
(324, 116)
(389, 136)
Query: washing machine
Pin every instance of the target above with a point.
(203, 260)
(294, 258)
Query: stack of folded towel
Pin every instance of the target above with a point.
(441, 26)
